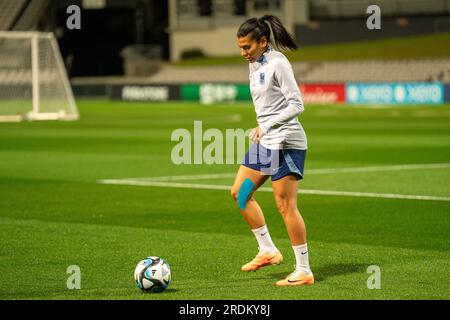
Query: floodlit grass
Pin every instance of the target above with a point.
(55, 214)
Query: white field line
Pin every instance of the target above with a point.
(381, 168)
(265, 189)
(308, 172)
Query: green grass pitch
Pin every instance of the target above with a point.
(55, 214)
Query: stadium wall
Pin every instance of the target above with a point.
(349, 30)
(332, 93)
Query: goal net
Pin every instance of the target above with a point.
(33, 80)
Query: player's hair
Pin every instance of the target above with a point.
(258, 28)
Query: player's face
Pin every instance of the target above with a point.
(252, 49)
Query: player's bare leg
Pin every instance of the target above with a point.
(285, 192)
(253, 215)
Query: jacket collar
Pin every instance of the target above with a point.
(263, 59)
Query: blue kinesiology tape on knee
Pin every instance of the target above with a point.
(244, 192)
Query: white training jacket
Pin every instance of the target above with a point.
(277, 101)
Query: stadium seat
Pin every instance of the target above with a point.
(9, 11)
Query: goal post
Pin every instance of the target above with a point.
(33, 80)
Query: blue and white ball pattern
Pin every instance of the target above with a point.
(153, 274)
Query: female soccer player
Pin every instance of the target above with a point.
(279, 146)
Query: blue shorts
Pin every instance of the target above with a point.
(276, 163)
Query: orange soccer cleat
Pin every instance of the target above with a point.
(263, 259)
(297, 278)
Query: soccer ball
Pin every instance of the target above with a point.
(152, 274)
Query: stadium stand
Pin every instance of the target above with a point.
(357, 8)
(31, 15)
(376, 71)
(10, 11)
(22, 15)
(315, 72)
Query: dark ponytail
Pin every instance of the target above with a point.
(262, 27)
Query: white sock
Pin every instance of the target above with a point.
(301, 257)
(264, 241)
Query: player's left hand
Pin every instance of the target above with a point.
(256, 134)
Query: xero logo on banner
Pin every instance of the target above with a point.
(395, 93)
